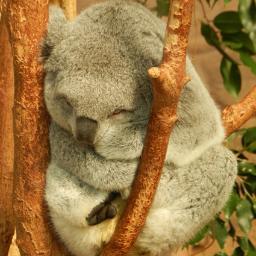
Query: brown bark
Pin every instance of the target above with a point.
(69, 7)
(6, 142)
(168, 80)
(27, 24)
(236, 115)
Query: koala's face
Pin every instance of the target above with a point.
(96, 84)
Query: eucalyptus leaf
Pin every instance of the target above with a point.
(249, 140)
(238, 252)
(248, 60)
(244, 243)
(230, 206)
(219, 231)
(232, 231)
(250, 184)
(220, 254)
(238, 41)
(246, 168)
(244, 215)
(199, 236)
(228, 22)
(254, 207)
(231, 76)
(247, 10)
(209, 35)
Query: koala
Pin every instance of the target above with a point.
(99, 97)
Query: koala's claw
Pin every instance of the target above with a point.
(101, 212)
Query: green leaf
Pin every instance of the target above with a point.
(228, 22)
(226, 1)
(254, 207)
(232, 231)
(220, 254)
(252, 249)
(251, 253)
(249, 140)
(246, 168)
(238, 41)
(219, 231)
(247, 10)
(244, 215)
(162, 7)
(199, 236)
(238, 252)
(231, 76)
(247, 59)
(244, 243)
(235, 134)
(250, 184)
(231, 205)
(209, 34)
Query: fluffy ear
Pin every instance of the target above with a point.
(55, 34)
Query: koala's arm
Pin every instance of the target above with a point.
(68, 199)
(86, 165)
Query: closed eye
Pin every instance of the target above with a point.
(64, 102)
(119, 112)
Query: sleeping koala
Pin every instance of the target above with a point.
(98, 94)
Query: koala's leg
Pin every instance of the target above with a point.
(69, 203)
(187, 199)
(70, 199)
(103, 211)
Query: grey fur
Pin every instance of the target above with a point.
(98, 64)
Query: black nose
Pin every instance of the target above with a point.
(86, 129)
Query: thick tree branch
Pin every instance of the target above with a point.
(168, 80)
(27, 25)
(236, 115)
(6, 141)
(69, 7)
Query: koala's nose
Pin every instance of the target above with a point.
(86, 129)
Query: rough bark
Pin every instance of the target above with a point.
(236, 115)
(6, 142)
(27, 24)
(69, 7)
(167, 82)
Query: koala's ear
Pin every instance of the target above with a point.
(55, 33)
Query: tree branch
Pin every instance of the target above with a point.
(69, 7)
(6, 141)
(27, 25)
(168, 80)
(236, 115)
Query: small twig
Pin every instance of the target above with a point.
(204, 12)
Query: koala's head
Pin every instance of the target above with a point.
(96, 84)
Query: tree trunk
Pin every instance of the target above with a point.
(167, 82)
(27, 24)
(6, 141)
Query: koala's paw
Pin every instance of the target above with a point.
(102, 211)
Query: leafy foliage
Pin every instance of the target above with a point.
(233, 35)
(241, 206)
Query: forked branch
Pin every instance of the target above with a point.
(168, 80)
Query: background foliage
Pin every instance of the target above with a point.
(233, 35)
